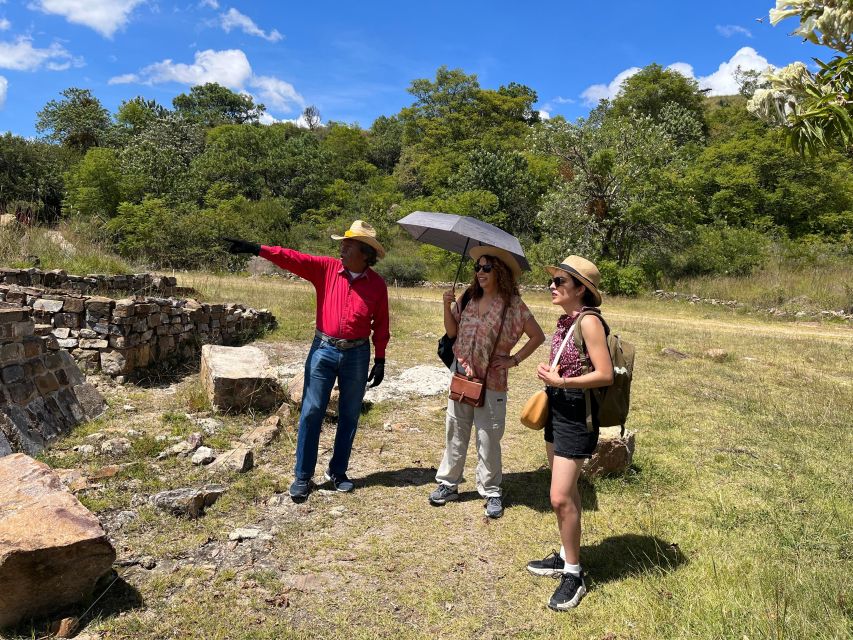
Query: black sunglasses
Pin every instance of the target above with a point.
(487, 268)
(557, 281)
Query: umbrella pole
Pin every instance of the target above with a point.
(459, 268)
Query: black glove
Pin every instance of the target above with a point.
(241, 246)
(377, 373)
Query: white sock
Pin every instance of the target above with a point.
(563, 553)
(574, 569)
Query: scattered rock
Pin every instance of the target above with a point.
(181, 449)
(717, 355)
(263, 435)
(129, 408)
(239, 460)
(65, 628)
(419, 381)
(244, 534)
(123, 518)
(209, 425)
(73, 479)
(612, 455)
(194, 440)
(115, 446)
(85, 450)
(52, 549)
(147, 562)
(203, 455)
(187, 502)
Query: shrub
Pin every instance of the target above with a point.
(405, 269)
(621, 281)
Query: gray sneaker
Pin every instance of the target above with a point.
(443, 494)
(494, 507)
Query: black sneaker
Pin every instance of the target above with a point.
(568, 595)
(299, 490)
(340, 482)
(551, 566)
(443, 494)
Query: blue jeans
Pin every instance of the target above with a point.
(324, 365)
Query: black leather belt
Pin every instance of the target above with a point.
(340, 343)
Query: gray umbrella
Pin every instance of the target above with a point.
(459, 233)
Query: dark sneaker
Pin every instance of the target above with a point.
(443, 494)
(551, 566)
(341, 482)
(300, 489)
(568, 595)
(494, 507)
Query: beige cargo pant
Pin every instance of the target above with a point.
(490, 420)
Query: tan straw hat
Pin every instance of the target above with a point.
(363, 232)
(502, 254)
(582, 269)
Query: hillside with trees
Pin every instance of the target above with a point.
(657, 184)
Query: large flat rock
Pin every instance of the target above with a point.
(52, 549)
(238, 378)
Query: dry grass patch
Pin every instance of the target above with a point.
(733, 522)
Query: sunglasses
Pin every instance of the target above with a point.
(487, 268)
(557, 281)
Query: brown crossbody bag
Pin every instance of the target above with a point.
(469, 389)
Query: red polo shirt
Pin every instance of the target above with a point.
(346, 308)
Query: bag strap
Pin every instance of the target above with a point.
(495, 345)
(586, 365)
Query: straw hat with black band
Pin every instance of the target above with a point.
(502, 254)
(362, 232)
(584, 271)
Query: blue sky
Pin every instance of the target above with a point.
(354, 61)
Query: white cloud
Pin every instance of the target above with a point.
(229, 68)
(592, 94)
(561, 100)
(4, 24)
(276, 93)
(4, 87)
(544, 115)
(21, 55)
(213, 4)
(104, 16)
(729, 30)
(233, 19)
(720, 83)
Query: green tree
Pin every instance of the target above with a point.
(649, 91)
(136, 115)
(31, 173)
(94, 185)
(211, 104)
(78, 121)
(385, 143)
(623, 190)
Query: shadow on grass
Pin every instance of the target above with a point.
(532, 489)
(630, 554)
(406, 477)
(113, 595)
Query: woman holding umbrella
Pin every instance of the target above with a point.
(491, 322)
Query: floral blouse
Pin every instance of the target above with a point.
(476, 336)
(569, 365)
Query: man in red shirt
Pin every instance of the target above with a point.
(352, 303)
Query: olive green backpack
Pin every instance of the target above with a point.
(613, 401)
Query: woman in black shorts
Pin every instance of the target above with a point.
(569, 439)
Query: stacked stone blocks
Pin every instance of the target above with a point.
(42, 391)
(58, 279)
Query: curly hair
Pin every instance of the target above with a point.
(507, 285)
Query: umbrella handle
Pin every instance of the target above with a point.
(459, 268)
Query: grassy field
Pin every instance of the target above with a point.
(734, 522)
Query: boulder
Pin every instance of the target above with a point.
(52, 549)
(239, 460)
(187, 502)
(613, 455)
(294, 393)
(238, 378)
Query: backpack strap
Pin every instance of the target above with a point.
(586, 364)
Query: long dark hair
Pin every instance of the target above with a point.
(507, 285)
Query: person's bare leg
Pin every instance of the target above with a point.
(566, 502)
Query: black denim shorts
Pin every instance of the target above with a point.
(566, 426)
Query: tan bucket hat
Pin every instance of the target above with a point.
(362, 232)
(505, 256)
(582, 269)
